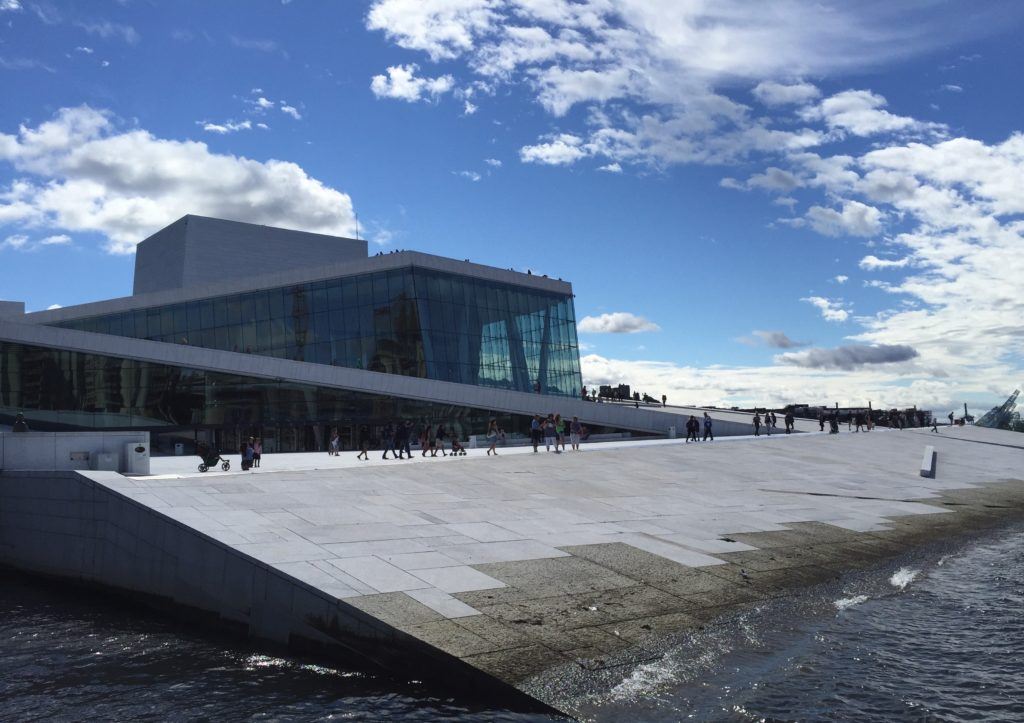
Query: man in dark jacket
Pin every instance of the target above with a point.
(20, 425)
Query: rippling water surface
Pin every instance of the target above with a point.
(69, 654)
(942, 640)
(936, 641)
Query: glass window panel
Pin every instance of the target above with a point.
(381, 293)
(261, 305)
(365, 291)
(180, 319)
(349, 294)
(234, 309)
(444, 285)
(335, 299)
(206, 314)
(248, 308)
(275, 302)
(220, 312)
(248, 344)
(322, 326)
(194, 319)
(351, 321)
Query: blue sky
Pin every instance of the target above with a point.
(755, 202)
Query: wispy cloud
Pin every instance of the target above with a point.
(261, 44)
(225, 127)
(774, 339)
(849, 357)
(106, 30)
(24, 64)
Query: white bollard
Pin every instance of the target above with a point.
(929, 462)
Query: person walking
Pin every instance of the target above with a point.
(389, 440)
(549, 434)
(768, 423)
(431, 445)
(559, 432)
(821, 421)
(708, 433)
(424, 440)
(334, 448)
(492, 437)
(757, 424)
(664, 400)
(535, 432)
(439, 435)
(950, 419)
(364, 443)
(935, 425)
(405, 442)
(575, 431)
(257, 451)
(692, 425)
(789, 422)
(775, 421)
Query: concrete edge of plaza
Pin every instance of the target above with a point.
(646, 419)
(73, 526)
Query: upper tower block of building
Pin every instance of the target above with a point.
(196, 250)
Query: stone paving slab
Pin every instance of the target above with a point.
(522, 562)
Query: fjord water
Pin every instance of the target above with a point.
(939, 638)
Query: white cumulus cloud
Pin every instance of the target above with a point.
(80, 171)
(619, 322)
(853, 219)
(831, 310)
(561, 150)
(873, 263)
(401, 83)
(862, 113)
(290, 110)
(771, 93)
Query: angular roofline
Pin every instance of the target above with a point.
(371, 264)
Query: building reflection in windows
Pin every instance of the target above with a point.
(413, 322)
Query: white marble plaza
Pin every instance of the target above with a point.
(354, 528)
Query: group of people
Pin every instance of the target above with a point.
(396, 438)
(552, 430)
(251, 451)
(693, 427)
(772, 422)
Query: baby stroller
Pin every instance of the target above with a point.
(457, 448)
(211, 459)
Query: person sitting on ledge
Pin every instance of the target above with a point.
(20, 425)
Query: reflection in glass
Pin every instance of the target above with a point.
(413, 322)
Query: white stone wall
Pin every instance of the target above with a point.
(73, 525)
(47, 451)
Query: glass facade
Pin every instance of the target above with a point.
(409, 321)
(59, 389)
